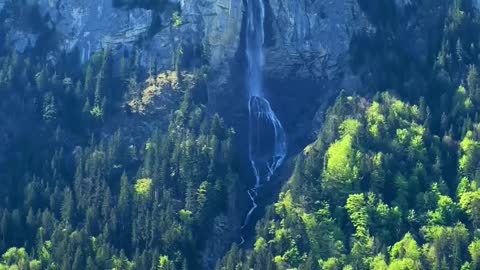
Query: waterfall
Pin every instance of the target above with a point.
(267, 139)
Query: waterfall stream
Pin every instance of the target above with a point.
(267, 139)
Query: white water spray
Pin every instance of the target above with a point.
(267, 139)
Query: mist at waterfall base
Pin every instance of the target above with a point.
(267, 139)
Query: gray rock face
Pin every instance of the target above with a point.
(86, 24)
(306, 39)
(311, 37)
(218, 23)
(92, 25)
(476, 3)
(215, 26)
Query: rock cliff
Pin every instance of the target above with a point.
(309, 39)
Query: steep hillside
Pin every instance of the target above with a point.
(127, 139)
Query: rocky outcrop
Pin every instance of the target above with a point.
(214, 26)
(197, 31)
(311, 38)
(92, 25)
(218, 23)
(84, 24)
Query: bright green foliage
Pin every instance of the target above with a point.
(35, 265)
(446, 213)
(362, 252)
(122, 264)
(350, 127)
(447, 245)
(285, 205)
(292, 256)
(143, 186)
(470, 203)
(330, 264)
(462, 102)
(470, 158)
(474, 250)
(185, 215)
(356, 207)
(165, 264)
(177, 20)
(381, 200)
(341, 170)
(375, 120)
(16, 257)
(340, 161)
(260, 245)
(405, 254)
(378, 263)
(96, 112)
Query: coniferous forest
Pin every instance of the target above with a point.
(115, 163)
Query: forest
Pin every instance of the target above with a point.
(91, 178)
(391, 181)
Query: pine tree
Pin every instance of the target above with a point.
(49, 109)
(67, 206)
